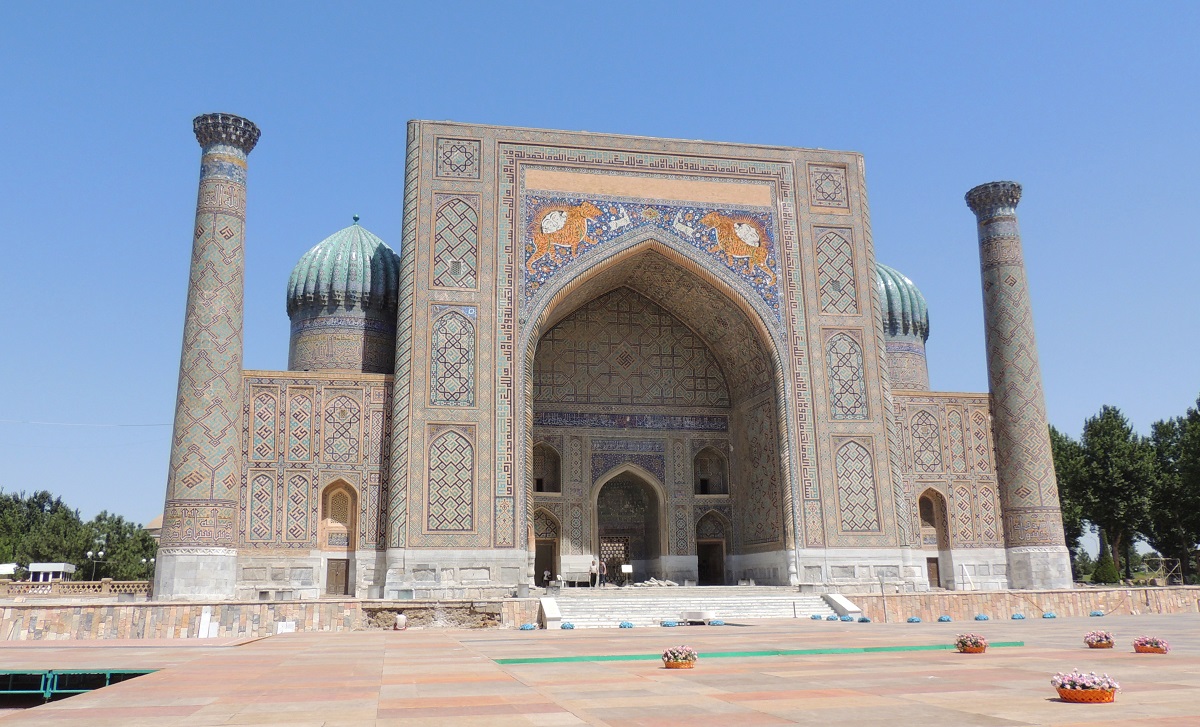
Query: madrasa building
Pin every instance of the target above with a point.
(677, 356)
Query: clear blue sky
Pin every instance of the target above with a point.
(1093, 107)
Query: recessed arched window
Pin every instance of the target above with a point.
(547, 469)
(709, 473)
(927, 518)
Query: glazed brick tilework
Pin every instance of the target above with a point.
(335, 427)
(936, 428)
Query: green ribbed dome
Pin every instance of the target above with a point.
(904, 310)
(350, 267)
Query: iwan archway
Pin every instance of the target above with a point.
(647, 359)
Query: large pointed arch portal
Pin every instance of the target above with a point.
(646, 357)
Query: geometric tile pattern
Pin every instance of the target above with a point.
(343, 430)
(265, 410)
(298, 501)
(847, 385)
(452, 363)
(971, 521)
(450, 498)
(458, 158)
(622, 349)
(455, 244)
(989, 523)
(926, 442)
(205, 463)
(262, 506)
(963, 531)
(544, 526)
(858, 498)
(827, 186)
(835, 274)
(710, 527)
(761, 499)
(1028, 488)
(958, 452)
(300, 425)
(983, 444)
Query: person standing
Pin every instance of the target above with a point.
(593, 573)
(603, 573)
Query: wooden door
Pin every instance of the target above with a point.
(931, 567)
(336, 580)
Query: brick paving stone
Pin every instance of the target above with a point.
(434, 677)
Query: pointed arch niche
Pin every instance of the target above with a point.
(935, 536)
(644, 353)
(338, 526)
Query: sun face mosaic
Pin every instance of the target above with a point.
(558, 231)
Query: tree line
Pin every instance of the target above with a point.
(1131, 487)
(41, 528)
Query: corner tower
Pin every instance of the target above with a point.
(1033, 531)
(198, 557)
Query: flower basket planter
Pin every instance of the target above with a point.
(1101, 645)
(972, 649)
(1087, 696)
(1139, 648)
(679, 664)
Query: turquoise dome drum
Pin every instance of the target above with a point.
(341, 299)
(905, 328)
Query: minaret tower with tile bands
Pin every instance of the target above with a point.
(1033, 532)
(197, 558)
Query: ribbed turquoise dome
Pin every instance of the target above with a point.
(904, 310)
(351, 267)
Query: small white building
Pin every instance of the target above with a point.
(9, 570)
(47, 572)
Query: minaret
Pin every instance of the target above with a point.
(1033, 531)
(197, 558)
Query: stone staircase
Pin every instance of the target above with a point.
(608, 607)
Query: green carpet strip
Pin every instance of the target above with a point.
(740, 654)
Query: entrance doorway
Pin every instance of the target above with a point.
(337, 571)
(544, 559)
(628, 523)
(932, 571)
(935, 533)
(710, 563)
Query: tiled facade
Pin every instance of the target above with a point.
(594, 332)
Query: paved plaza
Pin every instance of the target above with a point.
(462, 678)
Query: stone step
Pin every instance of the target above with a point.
(642, 608)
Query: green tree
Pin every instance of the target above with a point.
(1085, 563)
(1068, 463)
(1116, 478)
(1173, 522)
(40, 528)
(1106, 570)
(125, 544)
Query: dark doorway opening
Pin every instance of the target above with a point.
(545, 560)
(710, 563)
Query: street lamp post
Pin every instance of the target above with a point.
(148, 565)
(99, 558)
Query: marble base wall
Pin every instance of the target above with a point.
(29, 622)
(409, 570)
(1039, 567)
(1001, 605)
(195, 574)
